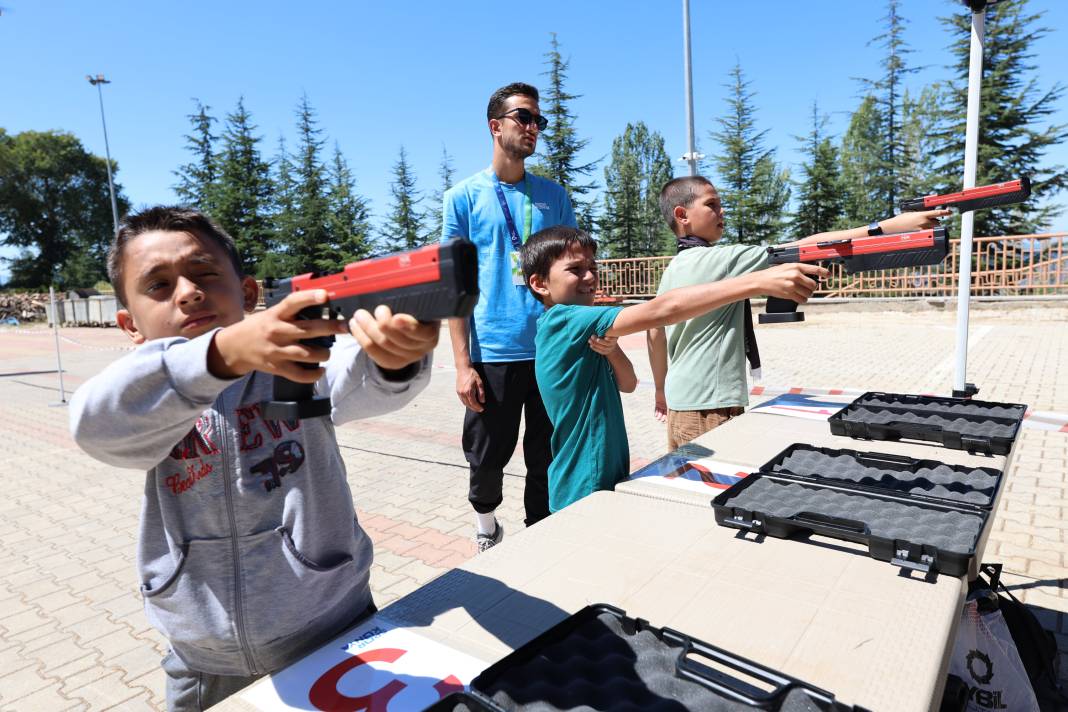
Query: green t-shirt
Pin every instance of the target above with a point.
(589, 443)
(706, 354)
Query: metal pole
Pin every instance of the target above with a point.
(967, 223)
(55, 333)
(97, 81)
(691, 155)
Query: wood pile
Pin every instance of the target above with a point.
(28, 306)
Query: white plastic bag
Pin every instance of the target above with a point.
(986, 659)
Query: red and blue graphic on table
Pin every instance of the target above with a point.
(682, 465)
(801, 405)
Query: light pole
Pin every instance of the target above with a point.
(691, 156)
(96, 82)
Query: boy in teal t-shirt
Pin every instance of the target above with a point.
(580, 368)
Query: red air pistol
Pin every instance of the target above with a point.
(435, 282)
(860, 254)
(984, 196)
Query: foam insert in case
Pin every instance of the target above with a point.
(600, 659)
(958, 423)
(924, 535)
(900, 474)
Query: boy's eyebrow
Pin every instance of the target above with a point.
(197, 259)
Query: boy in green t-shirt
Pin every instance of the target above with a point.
(579, 366)
(706, 383)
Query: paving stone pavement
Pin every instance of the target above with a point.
(72, 631)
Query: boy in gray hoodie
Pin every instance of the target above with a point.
(249, 551)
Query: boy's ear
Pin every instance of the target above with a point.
(250, 289)
(539, 284)
(124, 319)
(680, 214)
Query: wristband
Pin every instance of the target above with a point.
(875, 229)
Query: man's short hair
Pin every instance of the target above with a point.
(496, 102)
(680, 191)
(166, 218)
(545, 247)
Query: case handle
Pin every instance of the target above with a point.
(729, 685)
(826, 520)
(877, 457)
(913, 429)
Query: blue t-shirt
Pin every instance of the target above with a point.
(502, 327)
(578, 387)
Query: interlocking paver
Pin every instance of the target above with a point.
(69, 608)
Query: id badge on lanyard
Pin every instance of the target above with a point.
(513, 233)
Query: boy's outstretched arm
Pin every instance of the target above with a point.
(656, 344)
(905, 222)
(622, 368)
(795, 282)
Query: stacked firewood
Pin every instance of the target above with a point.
(26, 306)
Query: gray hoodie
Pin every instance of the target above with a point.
(249, 551)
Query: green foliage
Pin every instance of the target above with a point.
(631, 225)
(918, 173)
(350, 223)
(560, 145)
(1013, 131)
(404, 228)
(242, 191)
(436, 211)
(820, 202)
(752, 187)
(863, 170)
(196, 179)
(310, 245)
(54, 204)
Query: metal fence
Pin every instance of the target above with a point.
(1010, 265)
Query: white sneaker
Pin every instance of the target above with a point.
(488, 541)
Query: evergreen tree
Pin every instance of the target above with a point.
(310, 241)
(280, 261)
(820, 201)
(888, 91)
(404, 228)
(1014, 134)
(350, 223)
(752, 187)
(436, 212)
(862, 166)
(243, 189)
(640, 166)
(918, 173)
(196, 179)
(560, 145)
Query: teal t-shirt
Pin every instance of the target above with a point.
(706, 354)
(589, 443)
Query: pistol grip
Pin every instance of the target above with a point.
(294, 401)
(779, 311)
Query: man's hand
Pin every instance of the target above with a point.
(660, 406)
(796, 281)
(911, 222)
(469, 388)
(603, 345)
(393, 341)
(270, 341)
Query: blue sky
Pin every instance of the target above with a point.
(419, 73)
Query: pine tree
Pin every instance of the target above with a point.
(888, 91)
(752, 187)
(404, 227)
(243, 189)
(918, 173)
(820, 200)
(196, 179)
(862, 166)
(280, 261)
(632, 225)
(310, 243)
(436, 212)
(560, 145)
(350, 224)
(1014, 135)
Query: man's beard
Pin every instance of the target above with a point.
(517, 149)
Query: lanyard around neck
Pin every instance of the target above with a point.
(528, 213)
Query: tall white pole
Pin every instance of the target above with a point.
(967, 222)
(96, 82)
(691, 155)
(55, 333)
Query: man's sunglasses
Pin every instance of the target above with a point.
(526, 117)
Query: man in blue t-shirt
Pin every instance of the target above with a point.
(498, 209)
(580, 368)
